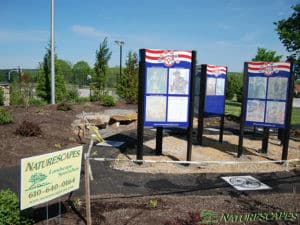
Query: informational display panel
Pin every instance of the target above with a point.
(49, 176)
(215, 90)
(267, 86)
(167, 88)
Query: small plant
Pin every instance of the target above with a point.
(72, 95)
(108, 100)
(77, 202)
(1, 96)
(58, 146)
(40, 111)
(152, 203)
(28, 129)
(5, 116)
(64, 106)
(10, 212)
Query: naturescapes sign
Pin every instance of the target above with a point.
(49, 176)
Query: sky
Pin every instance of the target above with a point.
(223, 32)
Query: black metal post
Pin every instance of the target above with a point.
(221, 129)
(223, 116)
(286, 135)
(141, 91)
(201, 109)
(159, 140)
(191, 109)
(265, 141)
(243, 111)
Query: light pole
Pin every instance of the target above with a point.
(120, 43)
(52, 55)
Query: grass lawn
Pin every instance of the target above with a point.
(234, 109)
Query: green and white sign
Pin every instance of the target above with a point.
(49, 176)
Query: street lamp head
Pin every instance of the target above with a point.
(120, 42)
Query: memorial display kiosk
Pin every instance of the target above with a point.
(210, 87)
(166, 87)
(267, 99)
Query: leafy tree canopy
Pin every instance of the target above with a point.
(289, 34)
(266, 55)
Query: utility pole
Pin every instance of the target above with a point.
(52, 55)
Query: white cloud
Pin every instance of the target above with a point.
(32, 36)
(88, 31)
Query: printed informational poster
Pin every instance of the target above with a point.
(257, 87)
(275, 112)
(46, 177)
(255, 110)
(267, 85)
(157, 80)
(156, 108)
(220, 86)
(177, 109)
(277, 89)
(167, 86)
(211, 86)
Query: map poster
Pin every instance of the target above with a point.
(166, 96)
(46, 177)
(267, 85)
(275, 112)
(255, 110)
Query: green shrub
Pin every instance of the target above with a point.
(82, 99)
(72, 95)
(10, 212)
(1, 96)
(28, 129)
(37, 101)
(234, 86)
(15, 95)
(5, 116)
(64, 106)
(108, 100)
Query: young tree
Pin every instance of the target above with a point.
(266, 55)
(289, 34)
(80, 71)
(128, 85)
(102, 57)
(43, 88)
(65, 68)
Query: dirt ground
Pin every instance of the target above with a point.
(163, 209)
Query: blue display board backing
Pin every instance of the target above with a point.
(267, 88)
(215, 90)
(167, 88)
